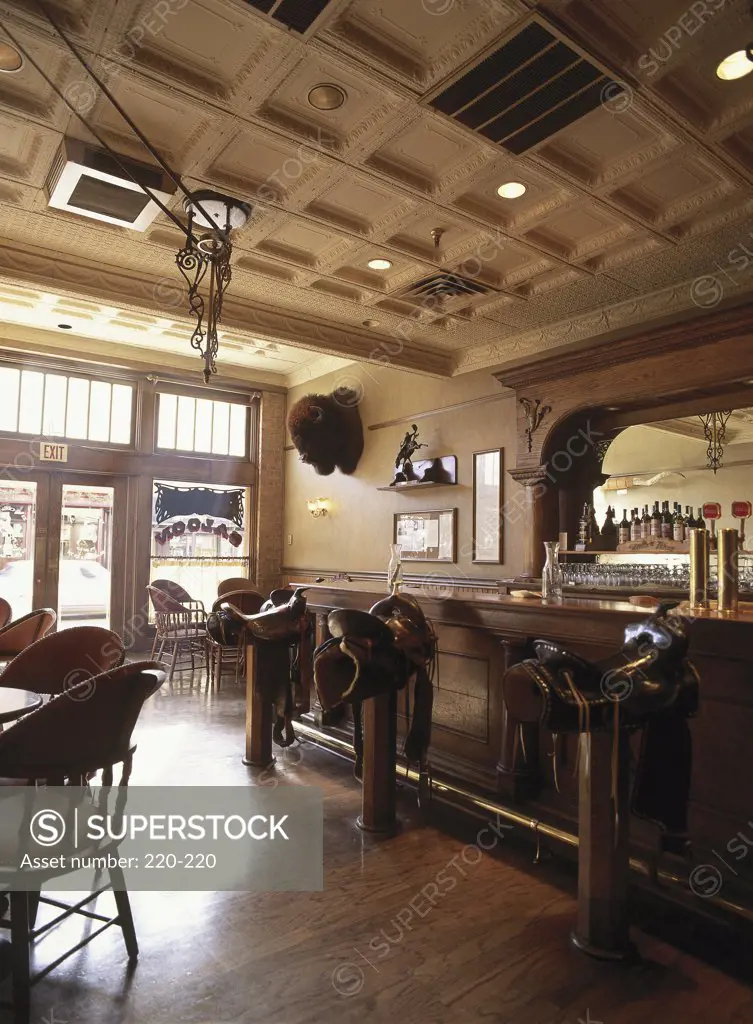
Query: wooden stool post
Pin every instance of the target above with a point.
(379, 763)
(603, 856)
(258, 711)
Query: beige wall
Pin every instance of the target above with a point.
(357, 533)
(648, 450)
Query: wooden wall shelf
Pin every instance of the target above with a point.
(643, 551)
(417, 485)
(445, 467)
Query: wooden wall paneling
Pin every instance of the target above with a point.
(52, 565)
(40, 596)
(140, 633)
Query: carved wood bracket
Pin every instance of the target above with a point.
(535, 413)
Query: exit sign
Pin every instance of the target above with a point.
(53, 452)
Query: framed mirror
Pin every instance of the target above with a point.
(427, 536)
(487, 506)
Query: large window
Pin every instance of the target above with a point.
(200, 536)
(56, 405)
(202, 426)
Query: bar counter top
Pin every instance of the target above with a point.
(590, 618)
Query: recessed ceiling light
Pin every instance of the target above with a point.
(370, 323)
(380, 264)
(65, 327)
(737, 65)
(11, 60)
(327, 96)
(511, 190)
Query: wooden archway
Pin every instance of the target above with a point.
(572, 405)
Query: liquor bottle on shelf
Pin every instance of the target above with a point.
(624, 528)
(689, 520)
(700, 521)
(594, 533)
(609, 533)
(635, 526)
(645, 524)
(666, 521)
(583, 529)
(678, 526)
(656, 521)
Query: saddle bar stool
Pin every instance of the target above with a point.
(276, 640)
(369, 657)
(649, 685)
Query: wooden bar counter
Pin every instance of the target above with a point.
(479, 637)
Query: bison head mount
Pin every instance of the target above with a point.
(327, 431)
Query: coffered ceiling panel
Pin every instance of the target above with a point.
(206, 45)
(428, 154)
(423, 41)
(364, 103)
(576, 230)
(304, 243)
(672, 187)
(358, 203)
(184, 135)
(601, 148)
(25, 92)
(479, 197)
(26, 150)
(624, 203)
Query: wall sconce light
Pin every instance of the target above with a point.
(318, 507)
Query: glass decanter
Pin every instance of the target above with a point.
(551, 576)
(394, 569)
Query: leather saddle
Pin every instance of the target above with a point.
(650, 685)
(376, 652)
(277, 630)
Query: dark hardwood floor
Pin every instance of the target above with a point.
(422, 928)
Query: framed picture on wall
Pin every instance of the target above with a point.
(427, 536)
(487, 506)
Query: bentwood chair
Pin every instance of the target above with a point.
(17, 635)
(6, 613)
(233, 585)
(61, 660)
(178, 630)
(220, 655)
(76, 734)
(179, 593)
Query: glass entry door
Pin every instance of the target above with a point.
(63, 545)
(84, 593)
(18, 535)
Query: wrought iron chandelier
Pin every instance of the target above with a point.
(208, 257)
(715, 433)
(204, 260)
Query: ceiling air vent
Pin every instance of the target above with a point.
(526, 90)
(445, 285)
(89, 182)
(298, 15)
